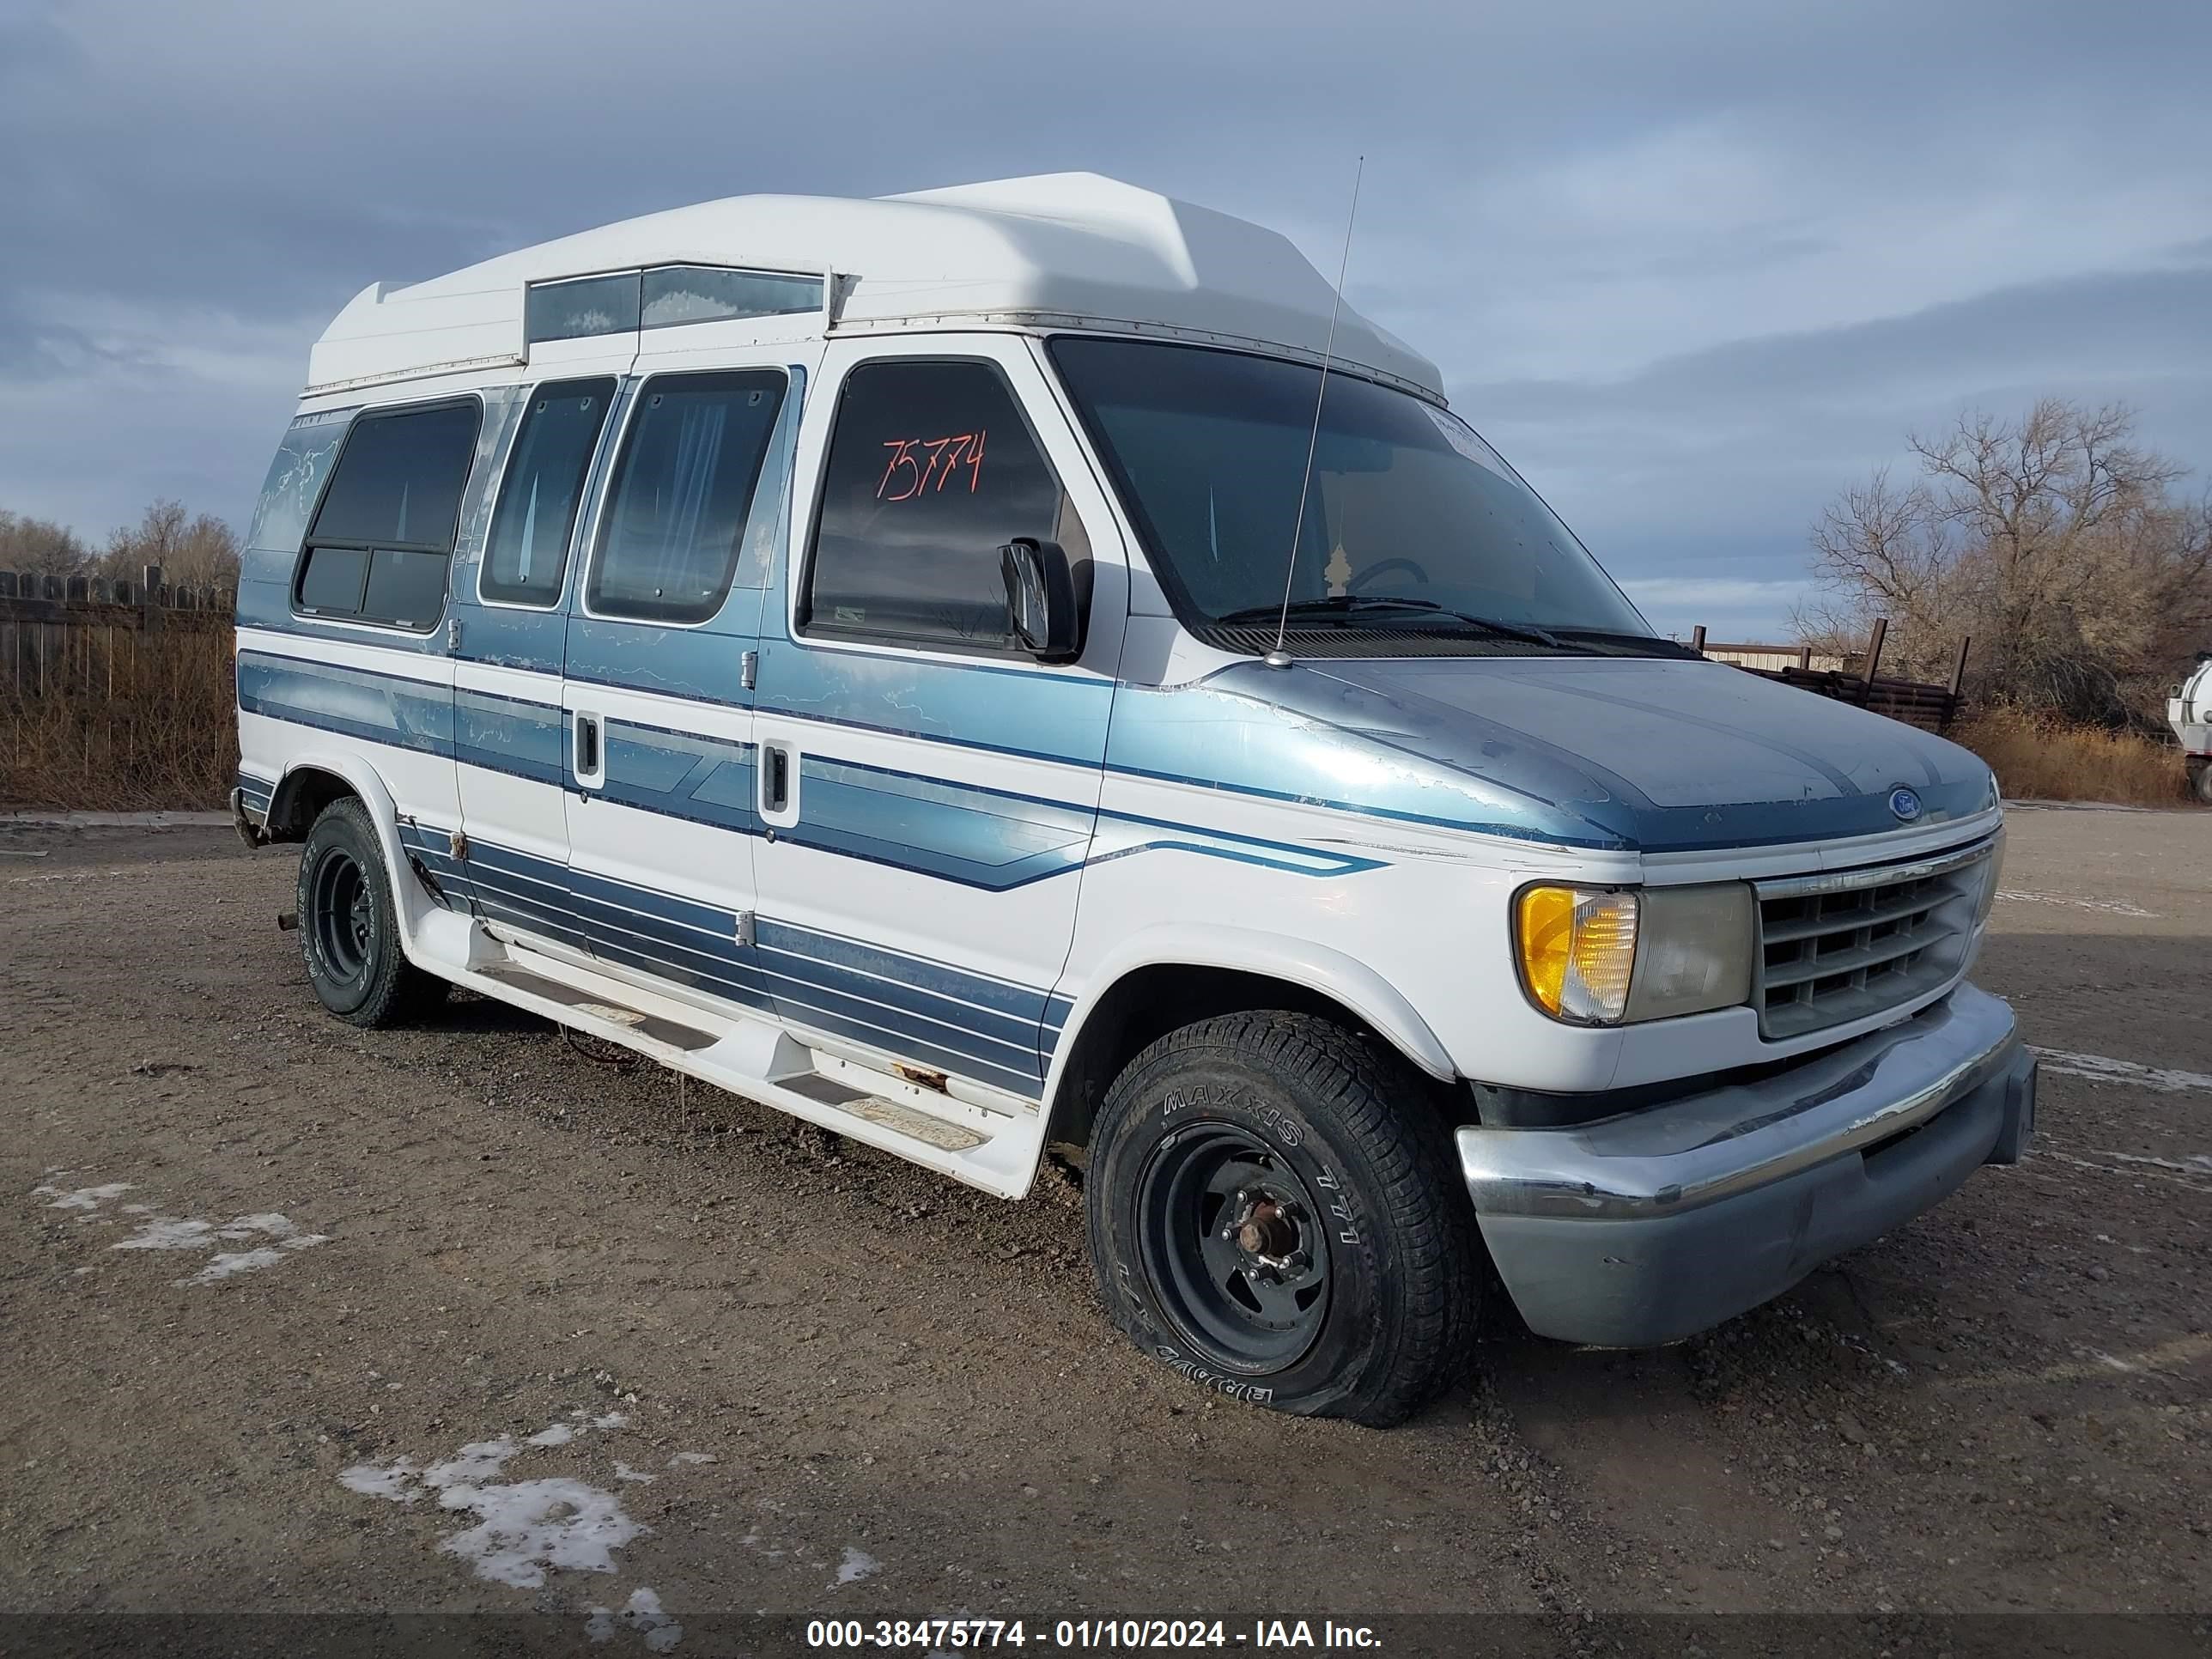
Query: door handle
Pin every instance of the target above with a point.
(587, 754)
(777, 795)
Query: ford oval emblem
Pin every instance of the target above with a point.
(1904, 804)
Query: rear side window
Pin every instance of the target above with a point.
(681, 490)
(295, 480)
(931, 470)
(528, 553)
(379, 544)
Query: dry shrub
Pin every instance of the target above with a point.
(2037, 758)
(115, 720)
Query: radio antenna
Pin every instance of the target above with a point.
(1280, 658)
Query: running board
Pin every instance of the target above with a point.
(761, 1062)
(584, 1003)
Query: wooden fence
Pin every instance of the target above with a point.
(1856, 678)
(115, 694)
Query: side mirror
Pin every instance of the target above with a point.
(1041, 607)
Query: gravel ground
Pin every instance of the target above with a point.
(464, 1319)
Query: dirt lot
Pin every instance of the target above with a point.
(751, 1370)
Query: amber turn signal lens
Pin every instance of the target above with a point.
(1578, 948)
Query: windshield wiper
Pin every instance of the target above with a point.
(1343, 606)
(1650, 644)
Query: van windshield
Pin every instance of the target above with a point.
(1412, 524)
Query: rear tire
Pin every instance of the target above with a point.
(2200, 781)
(1275, 1214)
(350, 926)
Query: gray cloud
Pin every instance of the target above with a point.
(1699, 474)
(1692, 267)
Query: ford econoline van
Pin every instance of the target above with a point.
(1010, 671)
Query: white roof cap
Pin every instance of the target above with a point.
(1063, 248)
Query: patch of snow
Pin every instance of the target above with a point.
(84, 1198)
(394, 1480)
(2099, 1069)
(246, 1261)
(2188, 1164)
(246, 1226)
(2104, 907)
(611, 1420)
(623, 1472)
(526, 1526)
(690, 1457)
(480, 1459)
(643, 1614)
(169, 1232)
(856, 1564)
(525, 1529)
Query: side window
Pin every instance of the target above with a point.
(681, 491)
(527, 552)
(931, 470)
(379, 546)
(295, 480)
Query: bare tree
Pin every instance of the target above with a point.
(192, 551)
(40, 545)
(2054, 540)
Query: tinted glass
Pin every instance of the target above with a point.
(681, 494)
(1406, 502)
(332, 579)
(701, 294)
(931, 470)
(569, 311)
(405, 587)
(528, 548)
(399, 479)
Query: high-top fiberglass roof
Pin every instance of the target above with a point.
(1070, 249)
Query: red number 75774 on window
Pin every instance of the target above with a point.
(923, 466)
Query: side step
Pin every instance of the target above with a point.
(891, 1114)
(649, 1025)
(977, 1150)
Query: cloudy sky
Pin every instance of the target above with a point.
(1694, 267)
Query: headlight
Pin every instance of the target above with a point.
(1599, 957)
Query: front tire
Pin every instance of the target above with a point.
(1273, 1213)
(350, 926)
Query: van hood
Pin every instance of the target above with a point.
(1657, 755)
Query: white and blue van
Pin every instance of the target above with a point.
(1010, 671)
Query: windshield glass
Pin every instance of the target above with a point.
(1408, 511)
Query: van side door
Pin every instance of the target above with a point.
(928, 793)
(660, 647)
(511, 734)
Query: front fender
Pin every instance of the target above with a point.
(1342, 978)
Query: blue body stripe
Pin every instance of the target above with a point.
(992, 840)
(385, 708)
(254, 793)
(966, 1024)
(507, 734)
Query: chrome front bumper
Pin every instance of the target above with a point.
(1662, 1222)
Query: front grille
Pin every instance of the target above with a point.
(1839, 947)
